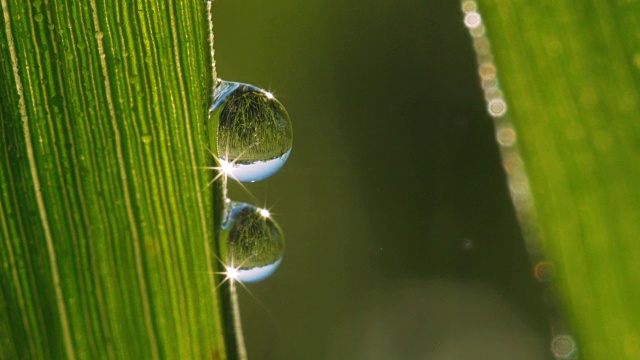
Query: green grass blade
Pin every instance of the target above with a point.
(570, 72)
(106, 221)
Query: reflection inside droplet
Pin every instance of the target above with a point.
(255, 171)
(254, 242)
(254, 274)
(254, 132)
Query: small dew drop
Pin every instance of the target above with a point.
(255, 242)
(146, 138)
(254, 132)
(39, 17)
(99, 35)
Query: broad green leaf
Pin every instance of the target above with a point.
(570, 72)
(107, 222)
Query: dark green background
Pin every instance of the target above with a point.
(401, 239)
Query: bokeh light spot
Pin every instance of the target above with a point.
(497, 107)
(469, 6)
(506, 137)
(472, 20)
(563, 347)
(544, 271)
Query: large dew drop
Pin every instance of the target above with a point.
(255, 135)
(255, 243)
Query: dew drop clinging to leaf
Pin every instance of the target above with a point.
(254, 242)
(254, 132)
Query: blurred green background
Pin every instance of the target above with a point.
(401, 239)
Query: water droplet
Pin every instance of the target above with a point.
(254, 131)
(39, 17)
(255, 243)
(146, 138)
(99, 35)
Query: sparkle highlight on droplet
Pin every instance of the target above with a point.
(254, 242)
(254, 135)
